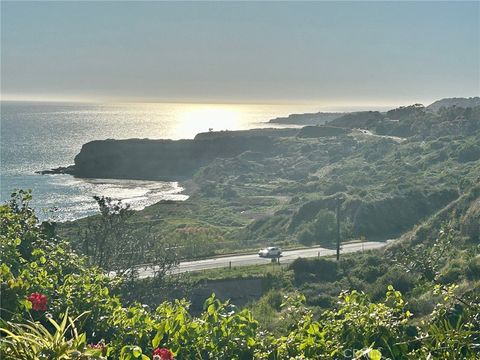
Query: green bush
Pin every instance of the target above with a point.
(473, 268)
(322, 230)
(320, 269)
(370, 273)
(470, 223)
(395, 276)
(41, 276)
(306, 236)
(468, 152)
(32, 340)
(453, 272)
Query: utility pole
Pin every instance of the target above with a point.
(338, 228)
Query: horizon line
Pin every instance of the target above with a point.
(320, 104)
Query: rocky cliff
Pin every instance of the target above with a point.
(159, 159)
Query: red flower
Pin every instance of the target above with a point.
(39, 301)
(99, 346)
(162, 354)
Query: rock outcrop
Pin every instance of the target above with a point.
(158, 159)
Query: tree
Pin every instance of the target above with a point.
(320, 231)
(111, 242)
(426, 260)
(325, 227)
(306, 237)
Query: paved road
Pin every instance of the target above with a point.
(254, 259)
(369, 133)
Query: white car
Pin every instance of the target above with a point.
(270, 252)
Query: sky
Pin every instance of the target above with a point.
(240, 52)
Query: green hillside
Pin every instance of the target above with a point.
(410, 175)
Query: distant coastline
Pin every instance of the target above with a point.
(319, 118)
(38, 136)
(181, 160)
(178, 160)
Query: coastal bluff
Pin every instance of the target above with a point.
(168, 160)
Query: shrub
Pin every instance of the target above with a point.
(468, 152)
(397, 277)
(470, 224)
(453, 271)
(306, 237)
(314, 269)
(370, 273)
(473, 268)
(323, 301)
(32, 340)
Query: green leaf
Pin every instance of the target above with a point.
(136, 351)
(375, 354)
(156, 340)
(27, 304)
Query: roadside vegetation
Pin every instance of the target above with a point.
(57, 306)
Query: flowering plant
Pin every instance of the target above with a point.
(100, 347)
(162, 354)
(39, 301)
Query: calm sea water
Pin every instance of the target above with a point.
(39, 136)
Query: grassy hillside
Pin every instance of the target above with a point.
(418, 298)
(287, 195)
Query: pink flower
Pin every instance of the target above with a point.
(162, 354)
(39, 301)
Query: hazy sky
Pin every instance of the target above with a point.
(325, 52)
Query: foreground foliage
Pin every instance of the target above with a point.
(42, 279)
(32, 340)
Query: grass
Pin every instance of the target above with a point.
(239, 272)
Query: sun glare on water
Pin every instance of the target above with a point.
(202, 118)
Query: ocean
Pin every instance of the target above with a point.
(41, 136)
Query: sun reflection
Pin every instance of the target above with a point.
(203, 118)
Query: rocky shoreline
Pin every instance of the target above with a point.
(162, 160)
(70, 170)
